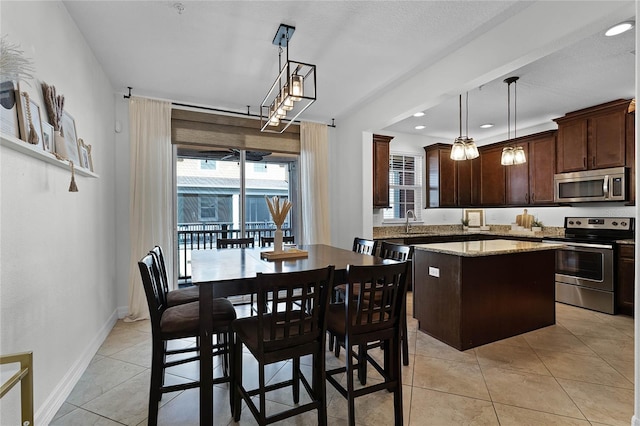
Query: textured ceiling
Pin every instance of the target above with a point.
(219, 54)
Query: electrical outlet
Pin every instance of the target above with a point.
(434, 272)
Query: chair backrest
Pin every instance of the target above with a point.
(364, 246)
(235, 242)
(162, 267)
(378, 305)
(268, 241)
(394, 251)
(156, 297)
(299, 301)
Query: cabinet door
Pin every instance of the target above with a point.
(441, 176)
(492, 177)
(572, 145)
(381, 171)
(542, 157)
(631, 156)
(607, 140)
(464, 175)
(517, 185)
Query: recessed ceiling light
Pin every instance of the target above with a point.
(619, 28)
(418, 114)
(420, 127)
(486, 126)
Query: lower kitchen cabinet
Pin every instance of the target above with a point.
(625, 283)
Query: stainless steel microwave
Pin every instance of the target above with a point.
(591, 185)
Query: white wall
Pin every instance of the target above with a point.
(57, 248)
(351, 184)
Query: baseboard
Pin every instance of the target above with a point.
(61, 392)
(123, 311)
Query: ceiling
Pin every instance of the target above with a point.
(220, 54)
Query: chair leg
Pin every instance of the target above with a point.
(395, 369)
(319, 388)
(362, 364)
(157, 375)
(236, 381)
(296, 380)
(350, 387)
(405, 341)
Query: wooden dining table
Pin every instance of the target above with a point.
(230, 272)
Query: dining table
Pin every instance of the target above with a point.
(232, 271)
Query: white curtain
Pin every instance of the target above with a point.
(151, 199)
(314, 183)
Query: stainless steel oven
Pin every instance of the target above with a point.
(585, 267)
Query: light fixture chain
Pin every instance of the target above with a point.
(460, 109)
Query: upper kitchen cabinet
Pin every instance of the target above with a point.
(449, 182)
(492, 176)
(532, 182)
(381, 171)
(593, 138)
(631, 152)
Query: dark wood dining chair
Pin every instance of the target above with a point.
(268, 241)
(178, 322)
(364, 246)
(178, 296)
(235, 242)
(360, 321)
(295, 326)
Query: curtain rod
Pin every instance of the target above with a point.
(226, 111)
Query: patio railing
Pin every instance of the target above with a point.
(200, 236)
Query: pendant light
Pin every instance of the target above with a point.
(512, 154)
(464, 148)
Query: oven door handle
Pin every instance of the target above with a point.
(605, 186)
(572, 244)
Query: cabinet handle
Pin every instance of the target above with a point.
(584, 162)
(533, 197)
(526, 197)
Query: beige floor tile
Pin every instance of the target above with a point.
(584, 368)
(123, 338)
(65, 409)
(80, 417)
(603, 404)
(518, 358)
(569, 312)
(430, 407)
(432, 347)
(375, 409)
(625, 368)
(531, 391)
(622, 349)
(515, 416)
(557, 339)
(459, 378)
(101, 377)
(589, 329)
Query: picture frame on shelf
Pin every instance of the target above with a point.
(475, 217)
(47, 137)
(85, 155)
(9, 109)
(70, 138)
(29, 114)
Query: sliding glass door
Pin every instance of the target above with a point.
(221, 194)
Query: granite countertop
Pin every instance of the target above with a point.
(384, 232)
(486, 248)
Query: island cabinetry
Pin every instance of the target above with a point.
(381, 171)
(625, 283)
(468, 301)
(593, 138)
(532, 182)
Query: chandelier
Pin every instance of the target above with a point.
(464, 148)
(293, 90)
(512, 154)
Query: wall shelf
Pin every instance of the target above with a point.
(35, 152)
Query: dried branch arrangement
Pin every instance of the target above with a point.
(13, 64)
(278, 212)
(54, 104)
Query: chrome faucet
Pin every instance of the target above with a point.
(408, 228)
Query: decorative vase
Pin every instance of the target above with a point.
(277, 240)
(60, 144)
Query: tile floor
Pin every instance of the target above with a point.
(577, 372)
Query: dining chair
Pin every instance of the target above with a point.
(235, 242)
(179, 322)
(362, 246)
(360, 321)
(295, 326)
(178, 296)
(268, 241)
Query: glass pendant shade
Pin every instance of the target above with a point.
(297, 87)
(458, 150)
(507, 156)
(471, 150)
(519, 156)
(287, 103)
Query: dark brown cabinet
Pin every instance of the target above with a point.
(381, 171)
(491, 175)
(631, 155)
(532, 182)
(449, 182)
(625, 283)
(593, 138)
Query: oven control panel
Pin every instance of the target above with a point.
(602, 223)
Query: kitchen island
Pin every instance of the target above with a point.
(470, 293)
